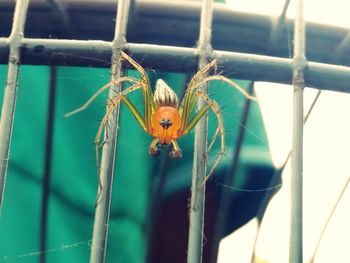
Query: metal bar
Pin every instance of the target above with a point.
(196, 226)
(62, 15)
(48, 163)
(300, 63)
(179, 13)
(318, 94)
(240, 65)
(341, 49)
(106, 171)
(225, 193)
(278, 25)
(275, 182)
(9, 101)
(157, 191)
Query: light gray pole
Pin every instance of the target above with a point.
(9, 101)
(196, 227)
(300, 63)
(101, 223)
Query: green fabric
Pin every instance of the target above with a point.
(20, 218)
(74, 177)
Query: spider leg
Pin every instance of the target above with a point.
(219, 130)
(147, 93)
(189, 100)
(153, 148)
(111, 106)
(199, 75)
(176, 152)
(211, 104)
(102, 89)
(224, 79)
(199, 80)
(215, 136)
(137, 66)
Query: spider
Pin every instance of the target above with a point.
(164, 118)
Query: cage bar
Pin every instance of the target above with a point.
(278, 25)
(341, 49)
(106, 171)
(241, 65)
(61, 13)
(300, 63)
(48, 163)
(275, 34)
(11, 86)
(256, 67)
(196, 227)
(278, 172)
(224, 198)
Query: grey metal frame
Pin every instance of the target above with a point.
(197, 205)
(101, 223)
(244, 66)
(9, 103)
(299, 66)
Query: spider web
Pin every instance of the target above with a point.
(62, 248)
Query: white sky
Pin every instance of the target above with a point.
(326, 162)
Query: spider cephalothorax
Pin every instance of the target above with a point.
(164, 118)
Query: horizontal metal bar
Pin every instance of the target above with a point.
(238, 65)
(93, 19)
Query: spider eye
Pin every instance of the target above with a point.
(165, 123)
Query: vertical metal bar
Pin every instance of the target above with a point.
(341, 50)
(10, 94)
(156, 192)
(225, 193)
(300, 63)
(278, 25)
(274, 184)
(195, 239)
(101, 223)
(48, 163)
(61, 14)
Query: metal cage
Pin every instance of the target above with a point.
(190, 34)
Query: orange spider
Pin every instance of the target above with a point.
(163, 118)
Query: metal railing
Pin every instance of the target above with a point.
(244, 66)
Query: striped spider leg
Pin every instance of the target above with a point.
(163, 118)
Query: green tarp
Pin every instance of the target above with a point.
(73, 170)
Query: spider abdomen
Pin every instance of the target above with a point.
(164, 95)
(166, 122)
